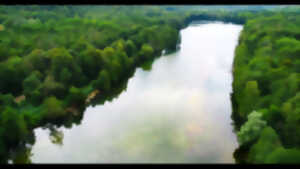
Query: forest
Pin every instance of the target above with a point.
(267, 90)
(57, 60)
(53, 60)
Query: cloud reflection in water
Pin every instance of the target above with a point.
(178, 112)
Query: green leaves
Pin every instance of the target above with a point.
(31, 83)
(266, 78)
(103, 81)
(36, 60)
(10, 121)
(284, 156)
(146, 51)
(250, 96)
(266, 144)
(252, 128)
(53, 108)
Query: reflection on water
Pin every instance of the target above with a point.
(177, 112)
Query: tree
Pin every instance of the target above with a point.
(103, 81)
(251, 95)
(252, 128)
(60, 59)
(115, 71)
(130, 48)
(7, 100)
(146, 52)
(22, 155)
(31, 83)
(53, 108)
(10, 121)
(52, 87)
(76, 96)
(56, 136)
(91, 61)
(65, 76)
(289, 47)
(11, 72)
(284, 156)
(266, 144)
(36, 60)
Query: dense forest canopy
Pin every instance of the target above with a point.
(267, 85)
(56, 60)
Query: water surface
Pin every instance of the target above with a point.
(178, 112)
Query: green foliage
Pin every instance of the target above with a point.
(250, 95)
(56, 137)
(284, 156)
(7, 99)
(103, 81)
(76, 96)
(130, 48)
(266, 144)
(11, 120)
(53, 108)
(252, 128)
(60, 60)
(52, 87)
(11, 72)
(36, 60)
(65, 76)
(31, 83)
(266, 78)
(57, 55)
(146, 52)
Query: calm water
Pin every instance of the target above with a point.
(178, 112)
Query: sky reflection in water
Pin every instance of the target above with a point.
(178, 112)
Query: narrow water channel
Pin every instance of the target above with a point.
(177, 112)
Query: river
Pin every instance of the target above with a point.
(177, 112)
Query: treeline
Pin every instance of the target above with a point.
(266, 89)
(53, 57)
